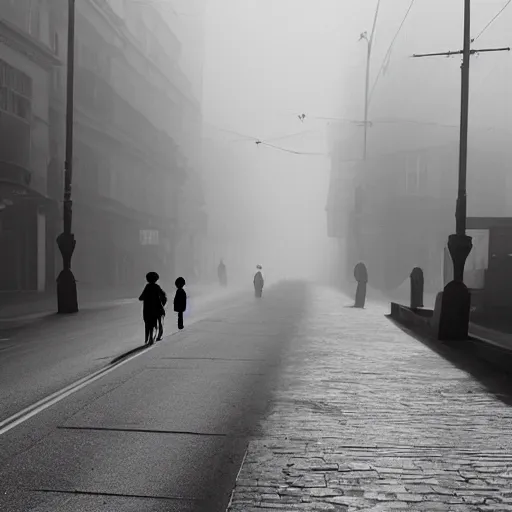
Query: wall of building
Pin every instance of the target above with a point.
(26, 62)
(126, 159)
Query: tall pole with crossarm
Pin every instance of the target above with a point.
(456, 300)
(67, 299)
(369, 40)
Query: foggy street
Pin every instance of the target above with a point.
(338, 407)
(314, 197)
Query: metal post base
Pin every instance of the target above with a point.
(455, 310)
(67, 296)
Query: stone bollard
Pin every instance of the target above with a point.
(361, 275)
(417, 282)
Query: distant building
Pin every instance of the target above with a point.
(396, 210)
(26, 63)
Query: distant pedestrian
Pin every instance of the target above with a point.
(154, 300)
(222, 274)
(180, 300)
(361, 276)
(417, 283)
(258, 283)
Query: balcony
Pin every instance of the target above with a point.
(15, 174)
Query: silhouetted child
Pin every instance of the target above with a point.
(180, 300)
(154, 300)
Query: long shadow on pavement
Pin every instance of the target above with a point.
(131, 352)
(281, 309)
(490, 366)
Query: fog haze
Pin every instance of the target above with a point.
(266, 62)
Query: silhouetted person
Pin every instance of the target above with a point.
(154, 300)
(222, 274)
(417, 282)
(361, 275)
(258, 282)
(180, 300)
(161, 320)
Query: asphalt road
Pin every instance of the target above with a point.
(41, 357)
(166, 430)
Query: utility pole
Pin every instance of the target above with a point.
(67, 300)
(369, 41)
(359, 187)
(456, 299)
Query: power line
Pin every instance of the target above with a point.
(259, 141)
(388, 53)
(290, 150)
(289, 136)
(492, 21)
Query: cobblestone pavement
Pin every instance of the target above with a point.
(366, 418)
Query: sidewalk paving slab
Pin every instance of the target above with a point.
(365, 417)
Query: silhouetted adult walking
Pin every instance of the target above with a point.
(154, 300)
(222, 274)
(258, 283)
(361, 275)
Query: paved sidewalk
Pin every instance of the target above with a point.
(367, 418)
(493, 336)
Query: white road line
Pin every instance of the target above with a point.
(34, 409)
(30, 411)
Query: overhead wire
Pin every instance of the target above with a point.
(291, 150)
(263, 142)
(388, 53)
(492, 20)
(289, 136)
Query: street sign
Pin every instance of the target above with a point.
(148, 237)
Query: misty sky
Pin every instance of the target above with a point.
(267, 61)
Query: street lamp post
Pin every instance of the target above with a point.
(67, 299)
(456, 298)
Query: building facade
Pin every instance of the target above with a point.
(137, 196)
(396, 209)
(26, 67)
(129, 163)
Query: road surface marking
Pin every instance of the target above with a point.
(30, 411)
(43, 404)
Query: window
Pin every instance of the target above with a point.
(15, 91)
(34, 19)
